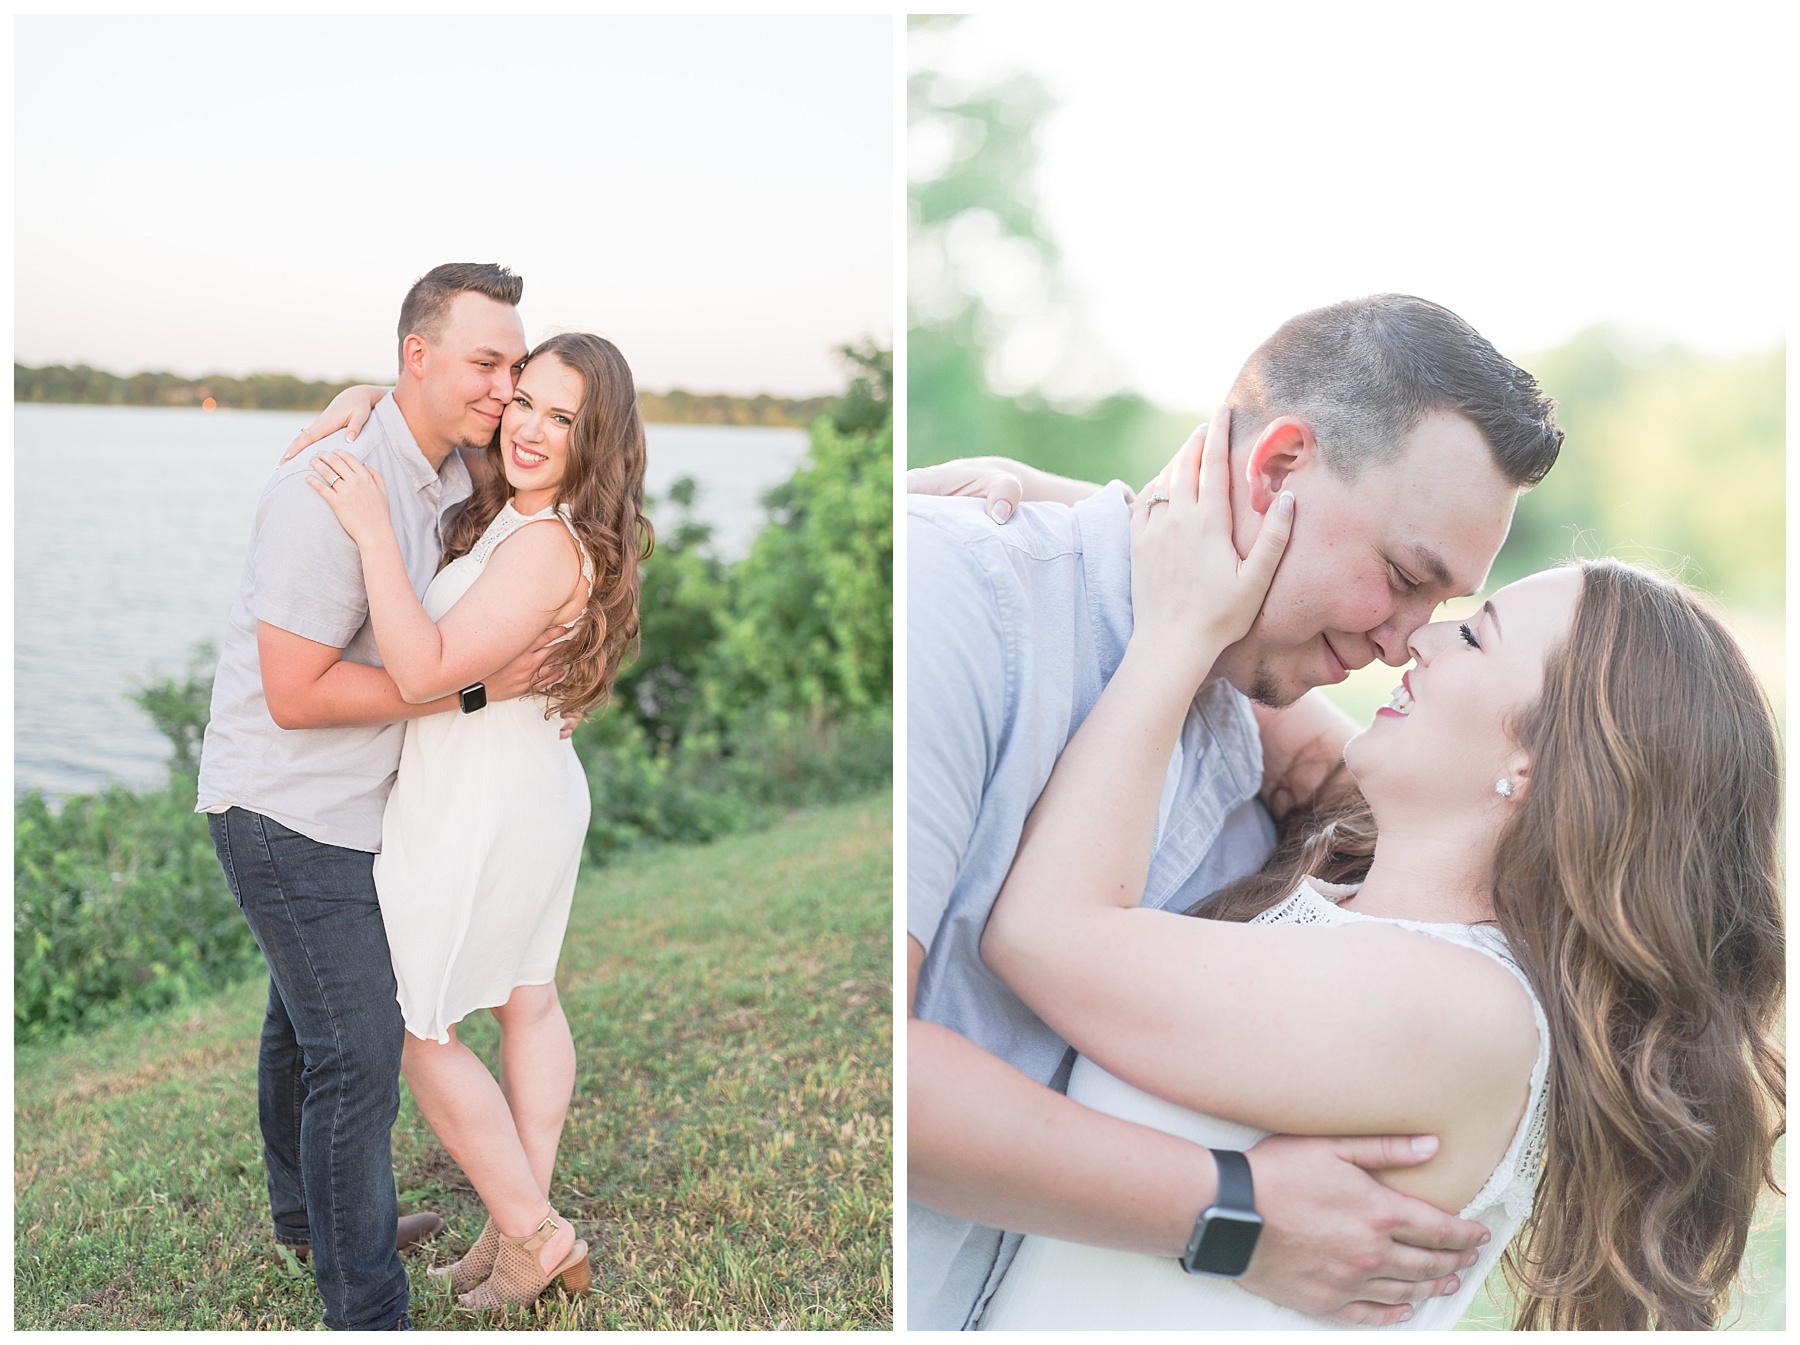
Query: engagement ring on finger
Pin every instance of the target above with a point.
(1156, 499)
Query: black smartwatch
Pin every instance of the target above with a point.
(1225, 1233)
(473, 697)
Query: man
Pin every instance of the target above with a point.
(302, 747)
(1404, 439)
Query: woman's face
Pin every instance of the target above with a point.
(1442, 741)
(534, 431)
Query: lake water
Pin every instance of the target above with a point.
(132, 524)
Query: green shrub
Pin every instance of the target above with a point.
(118, 904)
(643, 793)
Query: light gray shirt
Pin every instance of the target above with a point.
(304, 575)
(1012, 633)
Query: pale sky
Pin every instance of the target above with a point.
(238, 194)
(1536, 168)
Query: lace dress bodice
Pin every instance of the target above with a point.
(1064, 1285)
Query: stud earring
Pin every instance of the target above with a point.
(1503, 787)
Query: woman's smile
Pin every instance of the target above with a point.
(1400, 704)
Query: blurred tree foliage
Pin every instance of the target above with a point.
(83, 385)
(1671, 457)
(87, 386)
(677, 407)
(978, 197)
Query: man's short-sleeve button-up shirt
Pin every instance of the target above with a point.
(303, 574)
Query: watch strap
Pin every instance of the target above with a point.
(1236, 1190)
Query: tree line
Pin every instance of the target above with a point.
(84, 385)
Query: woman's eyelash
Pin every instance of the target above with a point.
(1469, 635)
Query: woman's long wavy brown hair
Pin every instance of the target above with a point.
(1638, 884)
(603, 485)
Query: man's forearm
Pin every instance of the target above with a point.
(988, 1144)
(351, 693)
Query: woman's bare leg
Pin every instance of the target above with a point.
(464, 1105)
(537, 1072)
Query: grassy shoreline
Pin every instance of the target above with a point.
(728, 1153)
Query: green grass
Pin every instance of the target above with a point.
(728, 1154)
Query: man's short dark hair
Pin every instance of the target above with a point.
(427, 303)
(1364, 372)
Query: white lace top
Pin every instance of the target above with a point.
(510, 520)
(1063, 1285)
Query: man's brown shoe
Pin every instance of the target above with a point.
(408, 1233)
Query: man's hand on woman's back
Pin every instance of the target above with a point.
(1337, 1243)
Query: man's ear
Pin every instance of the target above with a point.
(1285, 445)
(412, 356)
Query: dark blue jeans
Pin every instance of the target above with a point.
(328, 1078)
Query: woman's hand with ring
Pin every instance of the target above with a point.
(355, 492)
(1191, 593)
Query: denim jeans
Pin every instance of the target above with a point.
(328, 1078)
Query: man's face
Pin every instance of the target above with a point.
(469, 370)
(1371, 557)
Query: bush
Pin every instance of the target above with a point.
(118, 904)
(644, 793)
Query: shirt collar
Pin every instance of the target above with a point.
(452, 479)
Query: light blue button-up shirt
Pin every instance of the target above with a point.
(1012, 633)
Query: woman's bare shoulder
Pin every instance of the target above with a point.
(1473, 1006)
(1466, 1031)
(540, 559)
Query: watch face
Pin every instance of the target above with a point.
(1226, 1242)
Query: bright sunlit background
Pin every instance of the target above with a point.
(1538, 170)
(232, 194)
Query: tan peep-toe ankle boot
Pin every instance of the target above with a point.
(476, 1265)
(518, 1278)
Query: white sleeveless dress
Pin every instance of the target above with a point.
(481, 838)
(1054, 1285)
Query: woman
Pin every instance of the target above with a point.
(1567, 945)
(484, 827)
